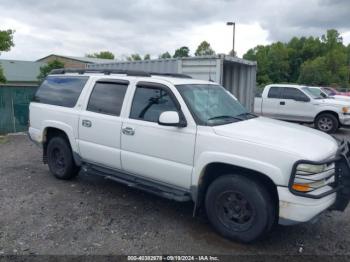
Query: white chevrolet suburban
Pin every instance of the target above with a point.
(187, 139)
(301, 104)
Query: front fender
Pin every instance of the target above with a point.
(206, 158)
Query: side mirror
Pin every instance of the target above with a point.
(170, 118)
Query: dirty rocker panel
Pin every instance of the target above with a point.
(138, 182)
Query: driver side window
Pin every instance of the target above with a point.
(149, 102)
(293, 93)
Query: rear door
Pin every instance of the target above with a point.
(100, 123)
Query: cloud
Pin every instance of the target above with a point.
(155, 26)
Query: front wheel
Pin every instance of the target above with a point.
(60, 158)
(327, 123)
(239, 208)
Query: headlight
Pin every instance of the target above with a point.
(309, 177)
(309, 168)
(345, 109)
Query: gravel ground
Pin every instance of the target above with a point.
(91, 215)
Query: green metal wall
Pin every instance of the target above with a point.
(14, 108)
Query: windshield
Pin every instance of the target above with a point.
(313, 92)
(329, 91)
(212, 104)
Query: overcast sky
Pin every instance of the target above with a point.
(77, 27)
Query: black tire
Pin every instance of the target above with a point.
(240, 208)
(60, 158)
(327, 123)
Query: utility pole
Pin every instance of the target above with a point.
(233, 36)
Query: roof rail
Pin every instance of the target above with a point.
(62, 71)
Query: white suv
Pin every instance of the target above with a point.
(188, 139)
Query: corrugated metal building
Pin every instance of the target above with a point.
(235, 74)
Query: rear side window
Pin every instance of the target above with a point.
(150, 102)
(274, 92)
(60, 91)
(107, 98)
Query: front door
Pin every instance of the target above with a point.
(160, 153)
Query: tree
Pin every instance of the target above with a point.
(204, 49)
(46, 69)
(102, 55)
(147, 57)
(134, 57)
(278, 63)
(182, 52)
(315, 72)
(165, 55)
(315, 60)
(6, 42)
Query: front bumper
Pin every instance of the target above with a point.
(297, 207)
(344, 119)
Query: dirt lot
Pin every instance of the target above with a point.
(90, 215)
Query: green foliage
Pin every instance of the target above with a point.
(2, 76)
(182, 52)
(46, 69)
(6, 42)
(147, 57)
(315, 72)
(317, 61)
(134, 57)
(165, 55)
(203, 49)
(102, 55)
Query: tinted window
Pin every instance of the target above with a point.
(150, 102)
(274, 92)
(60, 91)
(107, 98)
(293, 93)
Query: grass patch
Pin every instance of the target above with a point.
(3, 139)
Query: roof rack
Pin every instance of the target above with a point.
(62, 71)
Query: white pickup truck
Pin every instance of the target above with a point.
(189, 140)
(300, 104)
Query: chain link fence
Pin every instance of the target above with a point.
(14, 108)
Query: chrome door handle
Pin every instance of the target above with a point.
(128, 131)
(86, 123)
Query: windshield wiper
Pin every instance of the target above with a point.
(225, 117)
(248, 114)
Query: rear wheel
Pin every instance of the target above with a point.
(327, 123)
(239, 208)
(60, 158)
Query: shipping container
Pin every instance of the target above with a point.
(235, 74)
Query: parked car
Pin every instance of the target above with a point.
(189, 140)
(325, 93)
(300, 104)
(332, 92)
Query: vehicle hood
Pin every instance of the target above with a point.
(342, 98)
(332, 102)
(305, 142)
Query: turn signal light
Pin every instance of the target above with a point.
(302, 187)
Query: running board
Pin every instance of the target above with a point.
(137, 182)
